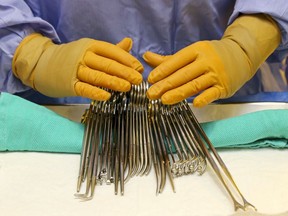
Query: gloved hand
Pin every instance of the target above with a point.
(215, 69)
(77, 68)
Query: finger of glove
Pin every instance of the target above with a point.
(112, 67)
(172, 64)
(154, 59)
(114, 52)
(125, 44)
(88, 91)
(101, 79)
(179, 78)
(187, 90)
(208, 96)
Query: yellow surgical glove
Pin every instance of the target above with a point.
(215, 69)
(78, 68)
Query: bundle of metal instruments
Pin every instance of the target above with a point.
(129, 134)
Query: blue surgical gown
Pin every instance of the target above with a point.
(162, 26)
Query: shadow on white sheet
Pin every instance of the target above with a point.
(253, 213)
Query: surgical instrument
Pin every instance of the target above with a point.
(127, 134)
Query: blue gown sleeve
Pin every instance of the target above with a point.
(277, 9)
(16, 22)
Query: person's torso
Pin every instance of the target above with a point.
(162, 26)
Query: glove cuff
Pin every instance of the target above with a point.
(258, 35)
(49, 68)
(27, 55)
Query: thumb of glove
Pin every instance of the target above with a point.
(125, 44)
(154, 59)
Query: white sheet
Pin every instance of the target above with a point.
(44, 184)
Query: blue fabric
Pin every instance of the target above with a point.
(26, 126)
(163, 26)
(260, 129)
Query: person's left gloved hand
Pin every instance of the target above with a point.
(215, 69)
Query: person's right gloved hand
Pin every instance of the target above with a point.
(79, 68)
